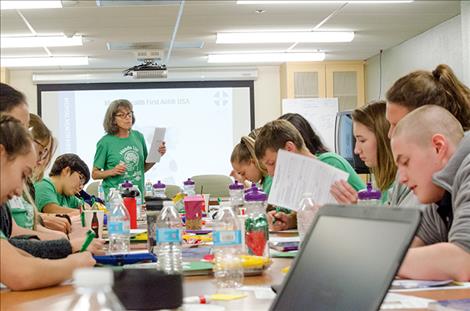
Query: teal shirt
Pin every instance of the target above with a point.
(267, 183)
(339, 162)
(22, 211)
(112, 150)
(46, 193)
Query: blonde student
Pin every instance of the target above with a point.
(370, 129)
(246, 165)
(433, 159)
(17, 160)
(438, 87)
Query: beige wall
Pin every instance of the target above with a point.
(441, 44)
(4, 75)
(267, 92)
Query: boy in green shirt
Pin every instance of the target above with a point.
(56, 194)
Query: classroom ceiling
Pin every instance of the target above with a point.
(376, 27)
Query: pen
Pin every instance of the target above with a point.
(90, 235)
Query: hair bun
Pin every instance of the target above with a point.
(436, 73)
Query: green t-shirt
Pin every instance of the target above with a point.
(2, 235)
(22, 211)
(267, 183)
(46, 193)
(339, 162)
(112, 150)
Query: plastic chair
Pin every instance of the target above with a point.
(172, 190)
(215, 185)
(92, 188)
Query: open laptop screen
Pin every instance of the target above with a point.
(347, 263)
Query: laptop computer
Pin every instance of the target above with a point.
(348, 259)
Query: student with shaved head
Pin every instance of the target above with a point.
(433, 158)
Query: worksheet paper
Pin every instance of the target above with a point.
(296, 174)
(158, 137)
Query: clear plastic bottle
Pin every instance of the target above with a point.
(159, 190)
(148, 188)
(228, 268)
(256, 223)
(169, 240)
(305, 214)
(93, 291)
(189, 187)
(101, 195)
(369, 196)
(236, 196)
(118, 225)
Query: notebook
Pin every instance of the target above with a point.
(348, 259)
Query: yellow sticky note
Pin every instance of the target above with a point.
(285, 270)
(227, 296)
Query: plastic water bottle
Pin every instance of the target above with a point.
(236, 196)
(93, 291)
(305, 214)
(189, 188)
(169, 240)
(256, 223)
(159, 190)
(369, 196)
(227, 237)
(118, 225)
(148, 188)
(101, 192)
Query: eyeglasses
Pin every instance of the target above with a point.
(126, 115)
(44, 152)
(82, 178)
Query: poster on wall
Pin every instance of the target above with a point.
(320, 112)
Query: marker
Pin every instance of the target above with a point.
(197, 299)
(90, 235)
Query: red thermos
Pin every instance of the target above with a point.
(130, 204)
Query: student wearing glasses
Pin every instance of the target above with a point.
(56, 194)
(121, 153)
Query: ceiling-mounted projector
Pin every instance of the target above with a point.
(147, 71)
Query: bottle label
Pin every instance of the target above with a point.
(227, 237)
(118, 228)
(168, 235)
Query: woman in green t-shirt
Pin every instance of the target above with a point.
(245, 165)
(121, 153)
(373, 147)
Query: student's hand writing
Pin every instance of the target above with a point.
(279, 221)
(56, 223)
(343, 192)
(81, 260)
(96, 246)
(162, 148)
(119, 169)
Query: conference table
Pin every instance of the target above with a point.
(59, 297)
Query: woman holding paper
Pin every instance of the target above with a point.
(121, 153)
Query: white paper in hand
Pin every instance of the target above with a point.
(296, 174)
(158, 137)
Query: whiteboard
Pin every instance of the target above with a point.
(320, 112)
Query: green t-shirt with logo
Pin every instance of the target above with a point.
(46, 193)
(112, 150)
(22, 211)
(339, 162)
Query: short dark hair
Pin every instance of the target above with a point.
(10, 98)
(74, 162)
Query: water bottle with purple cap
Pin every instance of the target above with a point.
(236, 196)
(256, 224)
(369, 196)
(159, 190)
(189, 187)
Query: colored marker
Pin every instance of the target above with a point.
(90, 235)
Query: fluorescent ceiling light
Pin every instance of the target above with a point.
(12, 5)
(39, 41)
(265, 57)
(284, 36)
(44, 61)
(321, 1)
